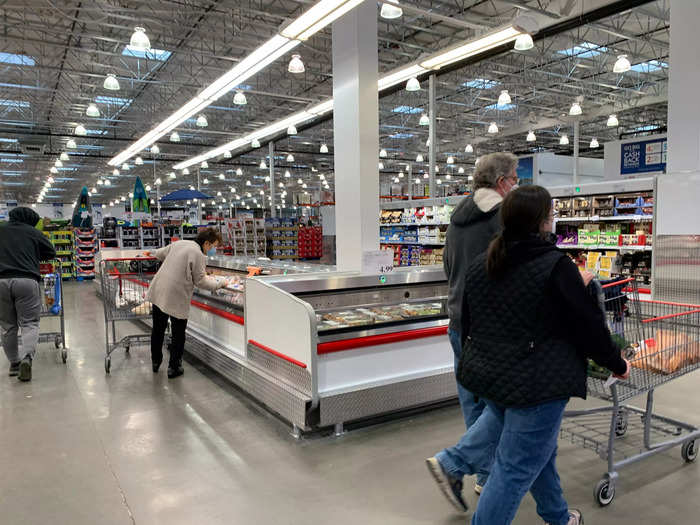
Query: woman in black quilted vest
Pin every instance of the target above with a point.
(530, 326)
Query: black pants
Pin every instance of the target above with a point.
(160, 324)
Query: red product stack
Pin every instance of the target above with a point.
(310, 240)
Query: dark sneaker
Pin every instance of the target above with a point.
(575, 517)
(156, 366)
(175, 371)
(14, 369)
(451, 487)
(25, 369)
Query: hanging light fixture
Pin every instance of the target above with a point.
(564, 140)
(201, 121)
(437, 168)
(115, 172)
(185, 171)
(299, 181)
(172, 175)
(290, 158)
(174, 137)
(239, 171)
(460, 170)
(239, 98)
(469, 149)
(204, 165)
(575, 109)
(412, 84)
(287, 175)
(391, 10)
(50, 180)
(92, 110)
(148, 187)
(531, 136)
(222, 176)
(71, 144)
(503, 99)
(80, 130)
(263, 166)
(450, 160)
(448, 176)
(227, 154)
(612, 121)
(255, 143)
(205, 181)
(139, 40)
(381, 165)
(158, 181)
(58, 163)
(424, 120)
(125, 167)
(419, 158)
(138, 161)
(396, 180)
(53, 170)
(427, 143)
(493, 128)
(111, 83)
(524, 42)
(382, 153)
(417, 180)
(426, 176)
(622, 64)
(594, 143)
(438, 181)
(64, 156)
(296, 65)
(155, 149)
(323, 149)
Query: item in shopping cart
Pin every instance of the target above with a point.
(142, 309)
(667, 352)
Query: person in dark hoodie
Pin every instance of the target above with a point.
(529, 327)
(473, 224)
(22, 246)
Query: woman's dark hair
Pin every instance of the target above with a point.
(208, 234)
(522, 213)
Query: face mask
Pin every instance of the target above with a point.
(212, 251)
(514, 187)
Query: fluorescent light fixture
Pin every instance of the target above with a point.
(504, 98)
(382, 153)
(71, 144)
(138, 161)
(493, 128)
(612, 121)
(564, 140)
(531, 136)
(575, 109)
(323, 149)
(524, 42)
(419, 158)
(296, 66)
(461, 51)
(64, 156)
(424, 120)
(412, 84)
(391, 10)
(622, 64)
(80, 130)
(291, 129)
(111, 83)
(239, 98)
(92, 110)
(139, 40)
(174, 137)
(318, 17)
(469, 148)
(594, 143)
(201, 121)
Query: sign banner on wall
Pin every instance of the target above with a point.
(525, 170)
(647, 156)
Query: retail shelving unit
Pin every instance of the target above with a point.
(129, 237)
(150, 237)
(63, 242)
(283, 238)
(85, 248)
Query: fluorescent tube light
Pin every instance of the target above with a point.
(470, 48)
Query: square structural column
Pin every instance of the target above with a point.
(356, 135)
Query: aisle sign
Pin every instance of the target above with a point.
(378, 261)
(647, 156)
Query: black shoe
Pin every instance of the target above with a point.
(156, 366)
(14, 369)
(175, 371)
(25, 369)
(451, 487)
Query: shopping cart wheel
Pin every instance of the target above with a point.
(64, 355)
(108, 364)
(689, 451)
(621, 423)
(604, 492)
(57, 342)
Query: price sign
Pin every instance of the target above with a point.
(378, 261)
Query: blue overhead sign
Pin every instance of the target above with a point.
(647, 156)
(525, 170)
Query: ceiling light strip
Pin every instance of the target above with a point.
(398, 76)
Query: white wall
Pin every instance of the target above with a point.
(558, 170)
(613, 151)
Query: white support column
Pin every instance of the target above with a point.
(273, 211)
(432, 151)
(356, 135)
(577, 126)
(199, 201)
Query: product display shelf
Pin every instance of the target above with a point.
(631, 248)
(282, 238)
(85, 248)
(150, 237)
(64, 243)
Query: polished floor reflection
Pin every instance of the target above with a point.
(79, 447)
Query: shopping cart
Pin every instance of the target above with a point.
(124, 283)
(52, 305)
(661, 340)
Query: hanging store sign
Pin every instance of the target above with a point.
(525, 170)
(647, 156)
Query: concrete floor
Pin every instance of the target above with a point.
(79, 447)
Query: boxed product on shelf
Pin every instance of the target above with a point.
(562, 207)
(588, 237)
(632, 201)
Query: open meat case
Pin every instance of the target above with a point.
(342, 347)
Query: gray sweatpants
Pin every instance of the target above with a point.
(20, 309)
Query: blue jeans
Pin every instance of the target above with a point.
(473, 453)
(525, 460)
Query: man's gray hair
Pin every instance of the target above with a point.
(492, 167)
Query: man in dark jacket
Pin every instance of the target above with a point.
(473, 224)
(22, 246)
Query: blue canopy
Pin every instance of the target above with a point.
(185, 195)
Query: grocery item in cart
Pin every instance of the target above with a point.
(667, 352)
